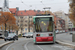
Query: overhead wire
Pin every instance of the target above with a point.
(24, 3)
(43, 3)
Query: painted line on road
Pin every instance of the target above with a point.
(25, 46)
(39, 47)
(12, 44)
(9, 46)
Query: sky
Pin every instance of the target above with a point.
(56, 5)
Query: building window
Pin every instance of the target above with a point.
(21, 24)
(25, 24)
(18, 25)
(30, 25)
(21, 17)
(21, 20)
(26, 17)
(70, 23)
(18, 20)
(30, 16)
(21, 13)
(25, 21)
(30, 28)
(14, 13)
(30, 21)
(25, 28)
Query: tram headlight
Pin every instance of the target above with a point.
(37, 34)
(50, 34)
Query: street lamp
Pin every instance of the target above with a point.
(29, 23)
(1, 10)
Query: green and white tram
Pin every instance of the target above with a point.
(44, 29)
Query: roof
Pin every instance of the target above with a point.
(28, 13)
(12, 10)
(25, 12)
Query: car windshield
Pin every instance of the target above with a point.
(30, 33)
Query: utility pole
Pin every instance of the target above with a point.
(1, 10)
(29, 24)
(17, 17)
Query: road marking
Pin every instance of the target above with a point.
(39, 47)
(14, 43)
(9, 46)
(25, 46)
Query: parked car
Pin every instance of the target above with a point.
(24, 35)
(61, 31)
(11, 36)
(1, 36)
(29, 34)
(57, 31)
(16, 36)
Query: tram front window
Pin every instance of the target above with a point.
(44, 25)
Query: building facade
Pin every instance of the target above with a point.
(69, 24)
(60, 14)
(24, 19)
(60, 20)
(60, 24)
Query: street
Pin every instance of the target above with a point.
(2, 41)
(50, 23)
(64, 36)
(27, 44)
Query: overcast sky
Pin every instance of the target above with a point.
(55, 5)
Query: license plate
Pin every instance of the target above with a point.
(44, 35)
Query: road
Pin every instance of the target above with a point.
(2, 41)
(27, 44)
(64, 36)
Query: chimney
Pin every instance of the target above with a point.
(0, 9)
(25, 10)
(38, 10)
(17, 8)
(34, 10)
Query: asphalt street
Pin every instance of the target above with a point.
(2, 41)
(27, 44)
(64, 37)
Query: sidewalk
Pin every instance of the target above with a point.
(65, 39)
(3, 43)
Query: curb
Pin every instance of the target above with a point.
(6, 43)
(65, 44)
